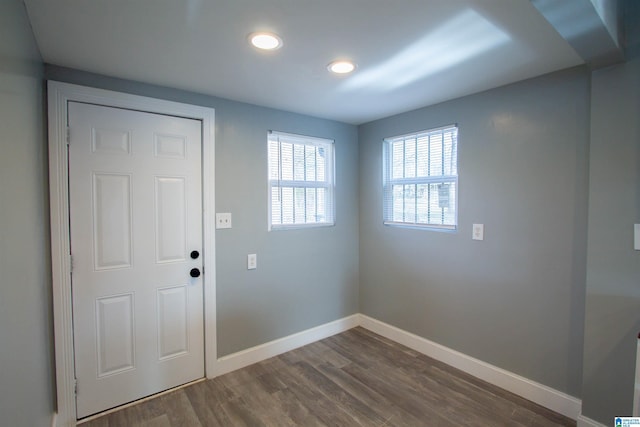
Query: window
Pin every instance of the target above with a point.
(301, 181)
(421, 179)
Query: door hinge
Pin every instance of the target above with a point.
(68, 135)
(75, 386)
(71, 263)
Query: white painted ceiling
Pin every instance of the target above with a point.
(410, 53)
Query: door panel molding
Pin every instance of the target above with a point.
(59, 95)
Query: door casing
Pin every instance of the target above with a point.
(59, 94)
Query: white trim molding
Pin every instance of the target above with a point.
(588, 422)
(548, 397)
(59, 95)
(273, 348)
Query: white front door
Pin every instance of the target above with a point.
(135, 204)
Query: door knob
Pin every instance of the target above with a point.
(194, 272)
(195, 254)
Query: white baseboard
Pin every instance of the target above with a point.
(588, 422)
(264, 351)
(541, 394)
(54, 419)
(548, 397)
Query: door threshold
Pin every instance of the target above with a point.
(136, 402)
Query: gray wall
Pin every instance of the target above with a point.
(26, 376)
(516, 299)
(612, 318)
(304, 277)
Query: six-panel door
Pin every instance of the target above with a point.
(135, 216)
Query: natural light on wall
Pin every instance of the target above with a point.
(463, 37)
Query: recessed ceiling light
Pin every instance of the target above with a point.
(341, 67)
(265, 41)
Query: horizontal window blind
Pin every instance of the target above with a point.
(421, 179)
(301, 181)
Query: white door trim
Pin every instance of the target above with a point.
(59, 94)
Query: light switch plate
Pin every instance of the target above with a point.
(223, 220)
(252, 261)
(478, 232)
(636, 237)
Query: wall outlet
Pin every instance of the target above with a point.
(478, 232)
(252, 261)
(223, 220)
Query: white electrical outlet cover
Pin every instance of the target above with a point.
(252, 261)
(478, 232)
(223, 220)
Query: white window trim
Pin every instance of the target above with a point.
(388, 182)
(329, 186)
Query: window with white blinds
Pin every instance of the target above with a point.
(421, 179)
(301, 181)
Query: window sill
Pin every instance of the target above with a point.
(426, 227)
(300, 226)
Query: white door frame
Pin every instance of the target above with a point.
(59, 94)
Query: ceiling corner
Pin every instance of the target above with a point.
(593, 28)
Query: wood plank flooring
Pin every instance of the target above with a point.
(356, 378)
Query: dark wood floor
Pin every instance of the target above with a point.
(356, 378)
